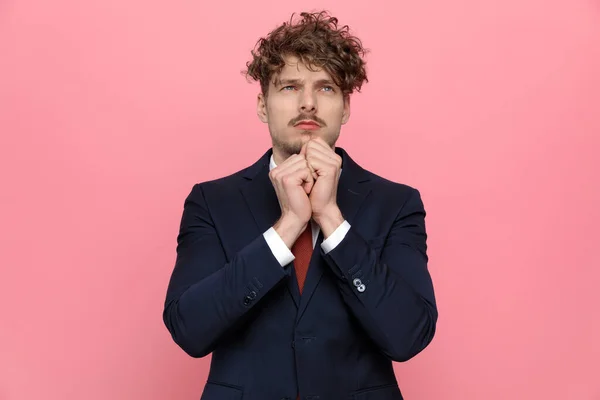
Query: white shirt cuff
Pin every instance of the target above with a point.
(278, 247)
(336, 237)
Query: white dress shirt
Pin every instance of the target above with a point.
(284, 255)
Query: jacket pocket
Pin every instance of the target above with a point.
(382, 392)
(221, 391)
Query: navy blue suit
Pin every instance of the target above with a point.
(229, 296)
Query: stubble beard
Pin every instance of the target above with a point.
(287, 148)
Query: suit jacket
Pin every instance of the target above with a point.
(365, 303)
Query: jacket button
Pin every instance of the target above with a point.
(247, 300)
(252, 295)
(361, 288)
(357, 282)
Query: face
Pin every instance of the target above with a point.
(302, 104)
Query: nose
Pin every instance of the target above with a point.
(308, 102)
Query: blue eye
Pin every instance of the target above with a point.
(328, 87)
(285, 87)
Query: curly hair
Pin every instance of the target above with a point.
(318, 42)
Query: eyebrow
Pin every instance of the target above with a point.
(281, 82)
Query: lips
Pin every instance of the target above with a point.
(307, 125)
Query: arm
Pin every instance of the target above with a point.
(208, 296)
(397, 305)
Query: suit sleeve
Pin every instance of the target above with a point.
(391, 295)
(208, 297)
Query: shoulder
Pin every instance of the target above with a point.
(383, 189)
(232, 182)
(223, 185)
(392, 192)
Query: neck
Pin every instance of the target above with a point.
(280, 156)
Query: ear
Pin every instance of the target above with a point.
(261, 108)
(346, 113)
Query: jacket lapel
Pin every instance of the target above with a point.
(262, 201)
(351, 193)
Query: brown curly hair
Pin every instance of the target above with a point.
(318, 42)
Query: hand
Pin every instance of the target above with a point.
(293, 181)
(326, 165)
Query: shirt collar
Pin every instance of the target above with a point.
(272, 163)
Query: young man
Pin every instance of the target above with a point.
(304, 274)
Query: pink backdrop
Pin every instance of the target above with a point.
(111, 110)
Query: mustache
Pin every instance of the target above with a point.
(304, 117)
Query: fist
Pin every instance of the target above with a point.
(293, 182)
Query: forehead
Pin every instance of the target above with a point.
(295, 69)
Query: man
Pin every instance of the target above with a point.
(304, 274)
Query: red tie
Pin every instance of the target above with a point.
(302, 250)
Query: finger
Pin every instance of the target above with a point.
(292, 168)
(312, 170)
(304, 175)
(319, 160)
(290, 162)
(322, 144)
(325, 152)
(293, 171)
(319, 166)
(303, 153)
(303, 149)
(308, 185)
(322, 165)
(292, 159)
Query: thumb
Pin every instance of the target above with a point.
(303, 149)
(308, 181)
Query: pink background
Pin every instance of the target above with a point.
(111, 110)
